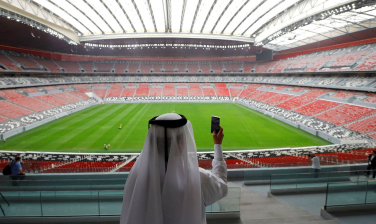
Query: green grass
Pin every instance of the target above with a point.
(89, 129)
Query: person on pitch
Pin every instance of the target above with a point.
(165, 185)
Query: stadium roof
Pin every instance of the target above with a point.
(276, 24)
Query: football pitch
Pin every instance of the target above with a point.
(89, 129)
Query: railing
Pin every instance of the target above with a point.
(64, 184)
(88, 203)
(354, 193)
(311, 180)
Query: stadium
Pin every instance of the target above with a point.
(79, 81)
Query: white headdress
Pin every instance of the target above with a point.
(156, 195)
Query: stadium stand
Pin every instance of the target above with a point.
(303, 99)
(116, 90)
(364, 125)
(316, 107)
(49, 64)
(67, 97)
(103, 67)
(142, 90)
(71, 67)
(169, 89)
(221, 89)
(12, 111)
(345, 114)
(120, 68)
(51, 99)
(87, 66)
(9, 63)
(195, 90)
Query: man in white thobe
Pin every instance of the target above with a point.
(166, 186)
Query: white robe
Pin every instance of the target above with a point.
(179, 194)
(214, 183)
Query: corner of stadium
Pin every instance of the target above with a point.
(80, 79)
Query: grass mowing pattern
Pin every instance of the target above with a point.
(89, 129)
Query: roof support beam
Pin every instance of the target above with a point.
(139, 16)
(194, 18)
(260, 18)
(126, 15)
(232, 33)
(112, 15)
(182, 15)
(86, 16)
(235, 14)
(220, 17)
(207, 16)
(152, 16)
(99, 16)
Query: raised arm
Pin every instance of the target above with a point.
(214, 184)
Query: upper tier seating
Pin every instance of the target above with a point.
(217, 68)
(120, 68)
(345, 114)
(349, 59)
(104, 67)
(69, 66)
(281, 65)
(132, 68)
(157, 67)
(49, 64)
(26, 63)
(368, 64)
(9, 63)
(264, 67)
(205, 68)
(318, 62)
(193, 68)
(344, 94)
(87, 66)
(169, 67)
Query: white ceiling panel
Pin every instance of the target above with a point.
(215, 15)
(189, 14)
(241, 20)
(201, 15)
(176, 12)
(130, 10)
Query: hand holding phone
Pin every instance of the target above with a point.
(215, 123)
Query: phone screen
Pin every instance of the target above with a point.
(215, 124)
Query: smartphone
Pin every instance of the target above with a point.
(215, 124)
